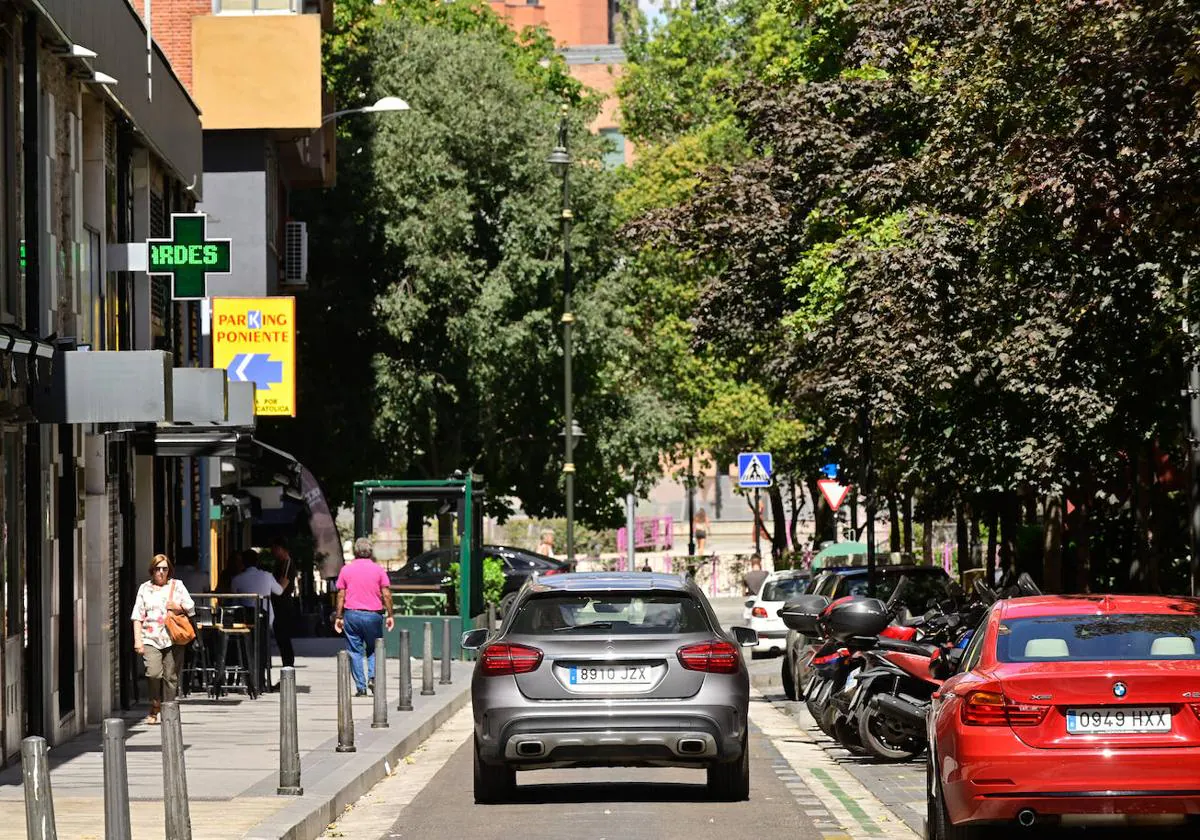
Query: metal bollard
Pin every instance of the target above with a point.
(116, 781)
(379, 718)
(345, 712)
(39, 802)
(405, 704)
(427, 661)
(491, 617)
(289, 736)
(175, 795)
(447, 652)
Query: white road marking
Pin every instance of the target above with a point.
(804, 756)
(373, 815)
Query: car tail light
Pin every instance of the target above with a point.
(759, 612)
(711, 657)
(500, 659)
(990, 708)
(549, 572)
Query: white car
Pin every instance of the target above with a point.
(761, 611)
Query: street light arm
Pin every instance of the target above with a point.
(387, 103)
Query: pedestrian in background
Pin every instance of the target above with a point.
(255, 581)
(151, 639)
(755, 577)
(700, 526)
(364, 608)
(284, 604)
(546, 546)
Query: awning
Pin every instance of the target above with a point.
(220, 442)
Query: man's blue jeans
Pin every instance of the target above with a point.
(362, 629)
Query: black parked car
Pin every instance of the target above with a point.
(431, 569)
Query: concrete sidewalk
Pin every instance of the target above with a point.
(232, 759)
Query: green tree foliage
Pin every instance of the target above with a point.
(976, 221)
(430, 336)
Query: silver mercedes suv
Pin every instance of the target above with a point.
(610, 670)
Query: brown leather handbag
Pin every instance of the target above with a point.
(179, 627)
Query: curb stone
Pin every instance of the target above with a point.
(345, 777)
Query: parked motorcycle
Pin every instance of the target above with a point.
(895, 693)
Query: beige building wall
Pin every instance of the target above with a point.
(257, 71)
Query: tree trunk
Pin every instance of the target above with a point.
(1009, 513)
(778, 521)
(992, 522)
(893, 523)
(823, 520)
(908, 523)
(1052, 541)
(797, 504)
(973, 516)
(415, 529)
(1083, 563)
(445, 530)
(1144, 574)
(962, 535)
(927, 538)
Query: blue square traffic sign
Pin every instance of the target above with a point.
(754, 469)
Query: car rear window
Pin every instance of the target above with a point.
(784, 588)
(620, 613)
(1093, 638)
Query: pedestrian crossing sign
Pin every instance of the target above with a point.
(754, 469)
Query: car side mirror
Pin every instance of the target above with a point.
(474, 639)
(945, 663)
(749, 603)
(745, 636)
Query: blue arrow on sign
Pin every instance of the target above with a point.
(257, 368)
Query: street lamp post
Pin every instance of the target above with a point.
(560, 161)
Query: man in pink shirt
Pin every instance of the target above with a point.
(363, 599)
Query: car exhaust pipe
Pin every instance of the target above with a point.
(1027, 817)
(899, 710)
(530, 749)
(691, 746)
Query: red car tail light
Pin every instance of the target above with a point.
(500, 659)
(710, 657)
(990, 708)
(549, 572)
(759, 612)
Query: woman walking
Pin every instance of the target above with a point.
(156, 598)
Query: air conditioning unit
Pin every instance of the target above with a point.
(295, 257)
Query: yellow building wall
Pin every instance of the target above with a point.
(257, 71)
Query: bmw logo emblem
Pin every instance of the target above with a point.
(1120, 689)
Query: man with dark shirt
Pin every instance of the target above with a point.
(755, 577)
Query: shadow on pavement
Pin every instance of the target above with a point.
(622, 792)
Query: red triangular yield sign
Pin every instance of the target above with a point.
(833, 492)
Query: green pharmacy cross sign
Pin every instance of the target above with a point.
(188, 256)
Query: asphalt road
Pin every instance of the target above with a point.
(630, 804)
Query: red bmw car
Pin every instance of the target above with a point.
(1069, 705)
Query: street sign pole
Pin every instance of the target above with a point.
(757, 527)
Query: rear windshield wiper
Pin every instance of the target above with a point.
(595, 625)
